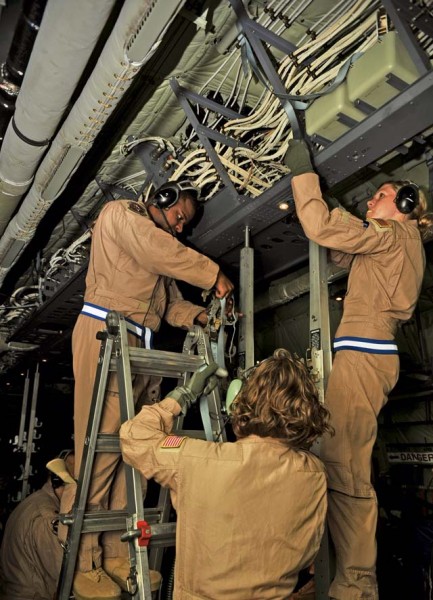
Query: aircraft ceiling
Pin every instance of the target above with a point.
(119, 95)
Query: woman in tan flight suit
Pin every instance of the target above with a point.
(250, 514)
(385, 255)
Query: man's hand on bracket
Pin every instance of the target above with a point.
(202, 319)
(223, 286)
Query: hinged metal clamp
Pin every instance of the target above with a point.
(143, 533)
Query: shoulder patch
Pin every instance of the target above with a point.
(173, 442)
(380, 223)
(137, 208)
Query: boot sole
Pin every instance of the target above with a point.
(154, 586)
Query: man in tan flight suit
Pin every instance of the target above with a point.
(31, 554)
(250, 514)
(135, 259)
(385, 255)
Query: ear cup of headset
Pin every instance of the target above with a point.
(232, 391)
(165, 196)
(407, 198)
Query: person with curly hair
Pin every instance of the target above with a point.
(386, 259)
(250, 513)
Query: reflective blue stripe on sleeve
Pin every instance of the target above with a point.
(369, 345)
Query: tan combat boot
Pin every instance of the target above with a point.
(119, 569)
(95, 585)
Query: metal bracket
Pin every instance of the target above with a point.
(402, 18)
(255, 34)
(204, 133)
(154, 160)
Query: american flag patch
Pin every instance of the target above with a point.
(173, 441)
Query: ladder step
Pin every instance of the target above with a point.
(161, 363)
(107, 442)
(110, 520)
(163, 534)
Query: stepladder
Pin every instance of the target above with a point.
(147, 531)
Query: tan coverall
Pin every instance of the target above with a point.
(132, 268)
(386, 260)
(31, 554)
(250, 514)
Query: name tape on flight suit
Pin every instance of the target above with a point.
(137, 208)
(381, 223)
(173, 442)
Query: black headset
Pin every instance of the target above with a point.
(407, 198)
(56, 481)
(169, 193)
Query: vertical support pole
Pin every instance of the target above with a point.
(30, 434)
(320, 333)
(23, 412)
(321, 357)
(246, 293)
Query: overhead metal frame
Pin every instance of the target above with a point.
(254, 34)
(406, 115)
(60, 312)
(155, 162)
(404, 14)
(205, 134)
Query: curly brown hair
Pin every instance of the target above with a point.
(279, 400)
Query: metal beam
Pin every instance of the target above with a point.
(255, 34)
(401, 16)
(246, 297)
(399, 120)
(203, 136)
(321, 362)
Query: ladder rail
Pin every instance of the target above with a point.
(210, 404)
(76, 518)
(138, 556)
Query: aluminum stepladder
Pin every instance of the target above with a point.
(143, 526)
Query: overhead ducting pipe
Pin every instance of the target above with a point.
(134, 39)
(68, 35)
(282, 293)
(12, 70)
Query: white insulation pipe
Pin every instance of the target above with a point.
(67, 36)
(135, 37)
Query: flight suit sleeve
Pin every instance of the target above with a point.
(341, 259)
(338, 229)
(48, 548)
(180, 312)
(158, 251)
(147, 446)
